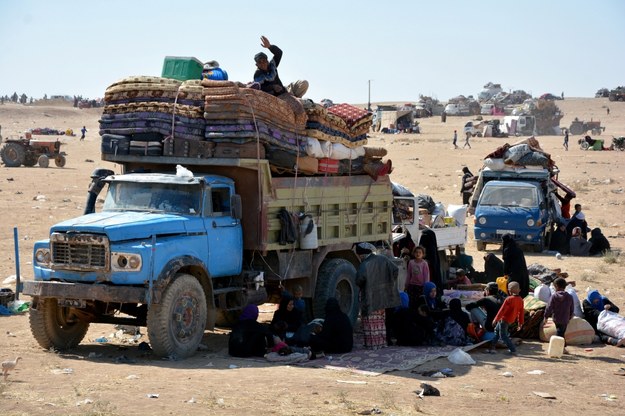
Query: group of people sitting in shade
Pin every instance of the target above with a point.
(288, 331)
(571, 236)
(418, 316)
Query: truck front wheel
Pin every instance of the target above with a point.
(176, 325)
(56, 326)
(337, 278)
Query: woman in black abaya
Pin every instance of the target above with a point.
(514, 265)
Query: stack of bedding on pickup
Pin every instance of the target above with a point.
(139, 112)
(521, 154)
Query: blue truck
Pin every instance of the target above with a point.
(179, 250)
(516, 201)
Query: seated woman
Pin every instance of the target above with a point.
(286, 319)
(337, 333)
(599, 244)
(593, 305)
(578, 246)
(249, 338)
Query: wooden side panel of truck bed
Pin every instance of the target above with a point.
(346, 209)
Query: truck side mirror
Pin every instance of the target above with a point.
(236, 209)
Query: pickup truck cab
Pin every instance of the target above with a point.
(513, 205)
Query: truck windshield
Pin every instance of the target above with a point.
(153, 197)
(509, 196)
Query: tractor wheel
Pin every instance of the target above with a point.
(30, 160)
(59, 161)
(576, 129)
(44, 161)
(584, 145)
(56, 326)
(13, 155)
(479, 135)
(176, 325)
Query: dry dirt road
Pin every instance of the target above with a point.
(117, 379)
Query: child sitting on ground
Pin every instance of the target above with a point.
(510, 312)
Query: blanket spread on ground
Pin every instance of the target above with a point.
(374, 363)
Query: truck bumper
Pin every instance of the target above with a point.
(524, 236)
(82, 291)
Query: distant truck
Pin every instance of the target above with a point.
(516, 201)
(519, 125)
(178, 252)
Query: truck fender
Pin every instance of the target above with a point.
(195, 267)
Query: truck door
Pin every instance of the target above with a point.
(225, 240)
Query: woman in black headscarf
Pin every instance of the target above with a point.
(287, 318)
(337, 334)
(514, 265)
(600, 243)
(428, 241)
(493, 267)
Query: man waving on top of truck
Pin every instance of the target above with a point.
(267, 73)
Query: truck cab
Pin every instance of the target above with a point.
(516, 204)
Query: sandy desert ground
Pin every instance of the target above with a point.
(32, 199)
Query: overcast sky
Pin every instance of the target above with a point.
(439, 48)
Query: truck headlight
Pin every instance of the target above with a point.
(43, 256)
(482, 220)
(125, 262)
(530, 222)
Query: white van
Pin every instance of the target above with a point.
(487, 109)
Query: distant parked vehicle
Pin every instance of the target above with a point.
(472, 129)
(550, 97)
(28, 152)
(602, 93)
(581, 127)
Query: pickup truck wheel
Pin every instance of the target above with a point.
(176, 325)
(337, 278)
(56, 326)
(481, 246)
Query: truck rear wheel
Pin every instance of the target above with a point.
(56, 326)
(337, 278)
(176, 325)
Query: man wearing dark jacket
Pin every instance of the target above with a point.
(267, 73)
(484, 310)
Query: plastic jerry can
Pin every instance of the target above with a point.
(556, 346)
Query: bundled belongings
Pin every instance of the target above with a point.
(526, 152)
(154, 106)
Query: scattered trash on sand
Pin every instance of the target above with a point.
(507, 374)
(536, 372)
(544, 395)
(427, 390)
(351, 381)
(152, 395)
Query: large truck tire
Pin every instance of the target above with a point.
(13, 155)
(176, 325)
(337, 278)
(54, 326)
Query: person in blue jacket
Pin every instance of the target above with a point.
(212, 71)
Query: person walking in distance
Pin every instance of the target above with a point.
(83, 131)
(466, 142)
(455, 139)
(566, 140)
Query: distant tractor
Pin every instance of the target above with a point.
(29, 152)
(581, 127)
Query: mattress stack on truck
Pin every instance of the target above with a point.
(153, 116)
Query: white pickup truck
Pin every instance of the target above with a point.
(406, 222)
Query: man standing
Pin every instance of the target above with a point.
(83, 131)
(468, 183)
(566, 140)
(466, 142)
(377, 280)
(455, 139)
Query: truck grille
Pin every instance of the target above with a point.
(85, 252)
